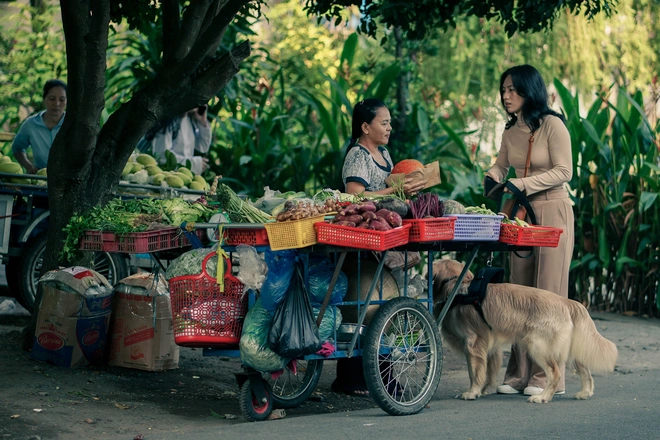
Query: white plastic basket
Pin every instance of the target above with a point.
(477, 227)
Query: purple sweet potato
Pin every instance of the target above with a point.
(383, 213)
(367, 207)
(351, 209)
(357, 218)
(394, 219)
(380, 224)
(363, 225)
(339, 218)
(369, 216)
(346, 223)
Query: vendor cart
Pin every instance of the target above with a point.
(24, 219)
(401, 347)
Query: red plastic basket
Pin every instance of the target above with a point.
(202, 316)
(361, 238)
(431, 229)
(135, 242)
(252, 237)
(530, 235)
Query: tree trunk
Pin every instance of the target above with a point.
(86, 161)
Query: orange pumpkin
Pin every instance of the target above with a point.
(407, 166)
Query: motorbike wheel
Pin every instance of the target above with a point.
(23, 272)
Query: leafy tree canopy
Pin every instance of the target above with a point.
(418, 18)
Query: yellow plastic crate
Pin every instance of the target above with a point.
(292, 234)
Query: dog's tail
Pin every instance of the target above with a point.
(588, 346)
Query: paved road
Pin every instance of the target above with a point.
(625, 405)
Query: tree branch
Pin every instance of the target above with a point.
(171, 25)
(193, 17)
(220, 72)
(209, 41)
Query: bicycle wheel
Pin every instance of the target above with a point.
(295, 385)
(402, 357)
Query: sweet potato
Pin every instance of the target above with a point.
(339, 218)
(357, 218)
(394, 219)
(351, 209)
(369, 215)
(383, 213)
(366, 207)
(380, 225)
(346, 223)
(363, 225)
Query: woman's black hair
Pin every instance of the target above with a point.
(53, 83)
(529, 85)
(364, 111)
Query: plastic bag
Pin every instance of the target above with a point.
(281, 265)
(293, 333)
(330, 322)
(254, 341)
(252, 270)
(190, 263)
(321, 270)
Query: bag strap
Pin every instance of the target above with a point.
(529, 153)
(521, 199)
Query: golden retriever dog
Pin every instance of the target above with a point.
(555, 331)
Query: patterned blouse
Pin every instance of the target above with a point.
(360, 167)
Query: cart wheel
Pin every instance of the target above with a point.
(252, 410)
(23, 273)
(291, 389)
(402, 357)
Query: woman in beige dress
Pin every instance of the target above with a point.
(524, 97)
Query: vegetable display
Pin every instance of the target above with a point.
(366, 215)
(134, 215)
(427, 205)
(239, 211)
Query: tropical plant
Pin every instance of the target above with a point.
(617, 211)
(31, 53)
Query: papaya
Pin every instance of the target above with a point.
(128, 169)
(185, 171)
(174, 181)
(153, 170)
(146, 160)
(184, 177)
(158, 179)
(197, 185)
(11, 167)
(137, 167)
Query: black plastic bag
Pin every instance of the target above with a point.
(293, 333)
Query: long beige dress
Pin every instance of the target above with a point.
(551, 167)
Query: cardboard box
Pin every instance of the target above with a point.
(142, 335)
(73, 320)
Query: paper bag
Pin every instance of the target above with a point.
(430, 175)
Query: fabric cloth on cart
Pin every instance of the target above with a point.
(253, 346)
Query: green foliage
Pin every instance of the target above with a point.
(419, 18)
(31, 53)
(617, 210)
